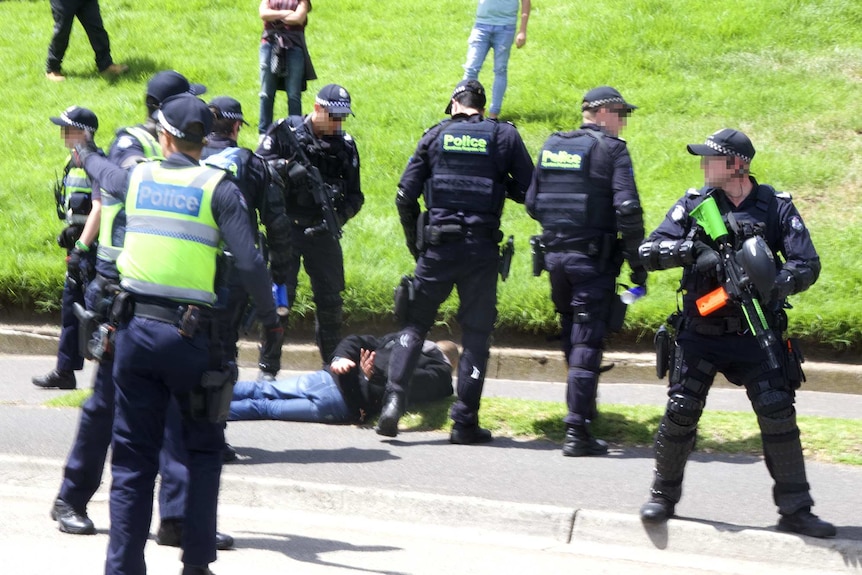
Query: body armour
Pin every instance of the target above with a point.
(234, 161)
(465, 176)
(568, 201)
(172, 239)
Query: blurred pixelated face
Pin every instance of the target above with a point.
(718, 170)
(326, 124)
(72, 136)
(613, 119)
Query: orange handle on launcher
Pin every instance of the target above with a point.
(712, 301)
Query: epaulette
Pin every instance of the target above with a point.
(693, 193)
(347, 137)
(783, 196)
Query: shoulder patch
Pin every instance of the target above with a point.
(692, 193)
(796, 223)
(678, 213)
(125, 141)
(348, 137)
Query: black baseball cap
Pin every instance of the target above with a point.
(170, 83)
(179, 114)
(335, 99)
(75, 117)
(725, 142)
(225, 107)
(473, 86)
(602, 96)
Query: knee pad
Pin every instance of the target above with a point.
(774, 404)
(684, 410)
(586, 358)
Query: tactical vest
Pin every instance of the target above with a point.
(172, 239)
(234, 160)
(465, 176)
(150, 146)
(567, 200)
(78, 194)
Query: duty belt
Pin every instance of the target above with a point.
(305, 221)
(715, 325)
(168, 314)
(437, 234)
(591, 247)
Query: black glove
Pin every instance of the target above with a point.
(81, 151)
(783, 286)
(279, 261)
(73, 265)
(270, 349)
(69, 236)
(638, 276)
(706, 260)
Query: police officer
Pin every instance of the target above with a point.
(134, 144)
(464, 167)
(178, 213)
(74, 202)
(322, 141)
(82, 474)
(584, 195)
(263, 191)
(723, 340)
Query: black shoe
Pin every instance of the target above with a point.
(70, 521)
(196, 570)
(657, 510)
(61, 379)
(806, 523)
(170, 534)
(387, 423)
(228, 454)
(579, 442)
(469, 434)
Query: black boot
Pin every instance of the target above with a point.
(196, 570)
(170, 534)
(61, 379)
(71, 521)
(657, 510)
(469, 434)
(579, 442)
(806, 523)
(387, 423)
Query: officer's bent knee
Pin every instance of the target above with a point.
(684, 410)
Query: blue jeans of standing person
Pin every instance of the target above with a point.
(294, 74)
(312, 397)
(483, 37)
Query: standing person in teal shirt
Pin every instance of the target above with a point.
(495, 28)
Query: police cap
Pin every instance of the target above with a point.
(725, 142)
(335, 99)
(602, 96)
(225, 107)
(473, 86)
(75, 117)
(170, 83)
(185, 117)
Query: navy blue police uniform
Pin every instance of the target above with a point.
(263, 191)
(164, 346)
(465, 167)
(584, 195)
(337, 159)
(722, 342)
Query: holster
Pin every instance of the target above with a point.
(404, 294)
(421, 225)
(661, 341)
(210, 401)
(88, 321)
(537, 250)
(793, 360)
(122, 309)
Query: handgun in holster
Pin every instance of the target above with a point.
(506, 254)
(421, 228)
(210, 401)
(537, 250)
(661, 341)
(404, 294)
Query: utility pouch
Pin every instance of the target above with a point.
(122, 308)
(661, 341)
(87, 323)
(537, 250)
(676, 364)
(616, 314)
(404, 294)
(210, 401)
(507, 251)
(189, 322)
(793, 360)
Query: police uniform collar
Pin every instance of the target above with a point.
(179, 160)
(220, 141)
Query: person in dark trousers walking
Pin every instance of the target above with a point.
(89, 15)
(734, 222)
(584, 195)
(465, 168)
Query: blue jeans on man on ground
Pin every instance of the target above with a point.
(483, 37)
(311, 397)
(269, 83)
